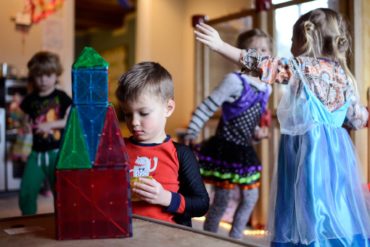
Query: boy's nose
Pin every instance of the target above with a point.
(43, 79)
(135, 121)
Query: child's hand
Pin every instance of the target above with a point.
(149, 190)
(27, 128)
(44, 128)
(261, 133)
(189, 140)
(209, 36)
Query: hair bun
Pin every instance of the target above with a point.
(308, 26)
(342, 43)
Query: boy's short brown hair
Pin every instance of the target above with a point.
(44, 63)
(149, 76)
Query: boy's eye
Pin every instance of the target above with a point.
(143, 114)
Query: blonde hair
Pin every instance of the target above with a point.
(324, 32)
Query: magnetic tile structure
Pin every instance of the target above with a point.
(92, 179)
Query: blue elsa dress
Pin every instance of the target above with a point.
(317, 196)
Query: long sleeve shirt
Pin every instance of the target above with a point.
(326, 78)
(229, 90)
(175, 167)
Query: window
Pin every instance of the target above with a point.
(284, 19)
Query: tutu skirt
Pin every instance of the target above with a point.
(226, 164)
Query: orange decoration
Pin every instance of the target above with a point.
(40, 9)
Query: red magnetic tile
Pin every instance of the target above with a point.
(111, 150)
(93, 203)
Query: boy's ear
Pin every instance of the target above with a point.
(170, 107)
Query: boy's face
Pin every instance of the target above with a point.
(146, 117)
(46, 83)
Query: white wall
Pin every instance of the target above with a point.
(165, 35)
(16, 47)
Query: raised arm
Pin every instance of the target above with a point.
(269, 69)
(210, 37)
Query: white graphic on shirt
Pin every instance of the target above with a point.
(142, 166)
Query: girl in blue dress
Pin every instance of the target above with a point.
(317, 198)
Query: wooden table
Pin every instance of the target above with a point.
(146, 233)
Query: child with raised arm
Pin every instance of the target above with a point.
(228, 159)
(46, 108)
(317, 196)
(167, 184)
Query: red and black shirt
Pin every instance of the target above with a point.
(176, 168)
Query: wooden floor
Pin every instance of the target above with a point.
(9, 204)
(9, 208)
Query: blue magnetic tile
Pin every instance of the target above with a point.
(90, 86)
(92, 118)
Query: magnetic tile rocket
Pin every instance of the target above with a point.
(92, 180)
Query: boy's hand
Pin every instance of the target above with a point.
(209, 36)
(27, 128)
(149, 190)
(44, 128)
